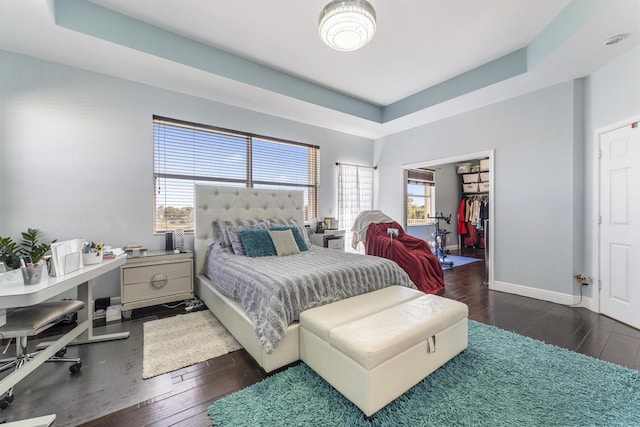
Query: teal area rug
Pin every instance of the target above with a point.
(502, 379)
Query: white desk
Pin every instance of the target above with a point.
(14, 293)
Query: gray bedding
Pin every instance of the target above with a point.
(274, 290)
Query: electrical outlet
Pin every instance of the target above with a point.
(582, 280)
(393, 232)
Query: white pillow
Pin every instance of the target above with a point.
(284, 242)
(291, 221)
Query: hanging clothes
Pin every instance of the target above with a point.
(472, 212)
(472, 238)
(462, 227)
(484, 210)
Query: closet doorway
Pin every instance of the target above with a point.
(445, 195)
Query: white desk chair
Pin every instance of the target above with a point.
(29, 321)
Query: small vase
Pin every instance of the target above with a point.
(178, 239)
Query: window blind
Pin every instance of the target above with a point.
(187, 153)
(421, 176)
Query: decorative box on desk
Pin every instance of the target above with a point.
(332, 239)
(156, 277)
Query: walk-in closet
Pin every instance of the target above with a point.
(473, 210)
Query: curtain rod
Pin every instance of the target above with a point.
(360, 166)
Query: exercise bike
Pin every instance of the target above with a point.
(440, 239)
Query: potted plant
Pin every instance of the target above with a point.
(30, 246)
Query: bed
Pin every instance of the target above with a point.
(218, 203)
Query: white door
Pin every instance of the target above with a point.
(620, 225)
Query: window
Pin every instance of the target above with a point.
(420, 184)
(355, 194)
(188, 153)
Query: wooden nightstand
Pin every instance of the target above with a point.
(156, 277)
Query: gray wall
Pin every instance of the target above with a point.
(76, 152)
(447, 200)
(533, 137)
(613, 92)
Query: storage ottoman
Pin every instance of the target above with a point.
(374, 347)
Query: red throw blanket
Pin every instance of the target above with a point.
(411, 253)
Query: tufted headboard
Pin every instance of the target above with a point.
(218, 203)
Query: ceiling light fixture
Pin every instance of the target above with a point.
(347, 25)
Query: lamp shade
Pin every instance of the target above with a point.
(347, 25)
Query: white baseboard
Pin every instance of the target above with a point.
(544, 295)
(590, 303)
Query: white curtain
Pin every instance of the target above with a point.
(355, 194)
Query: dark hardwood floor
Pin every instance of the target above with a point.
(185, 400)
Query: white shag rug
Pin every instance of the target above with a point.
(183, 340)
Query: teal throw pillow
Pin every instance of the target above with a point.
(257, 243)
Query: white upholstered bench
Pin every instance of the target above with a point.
(374, 347)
